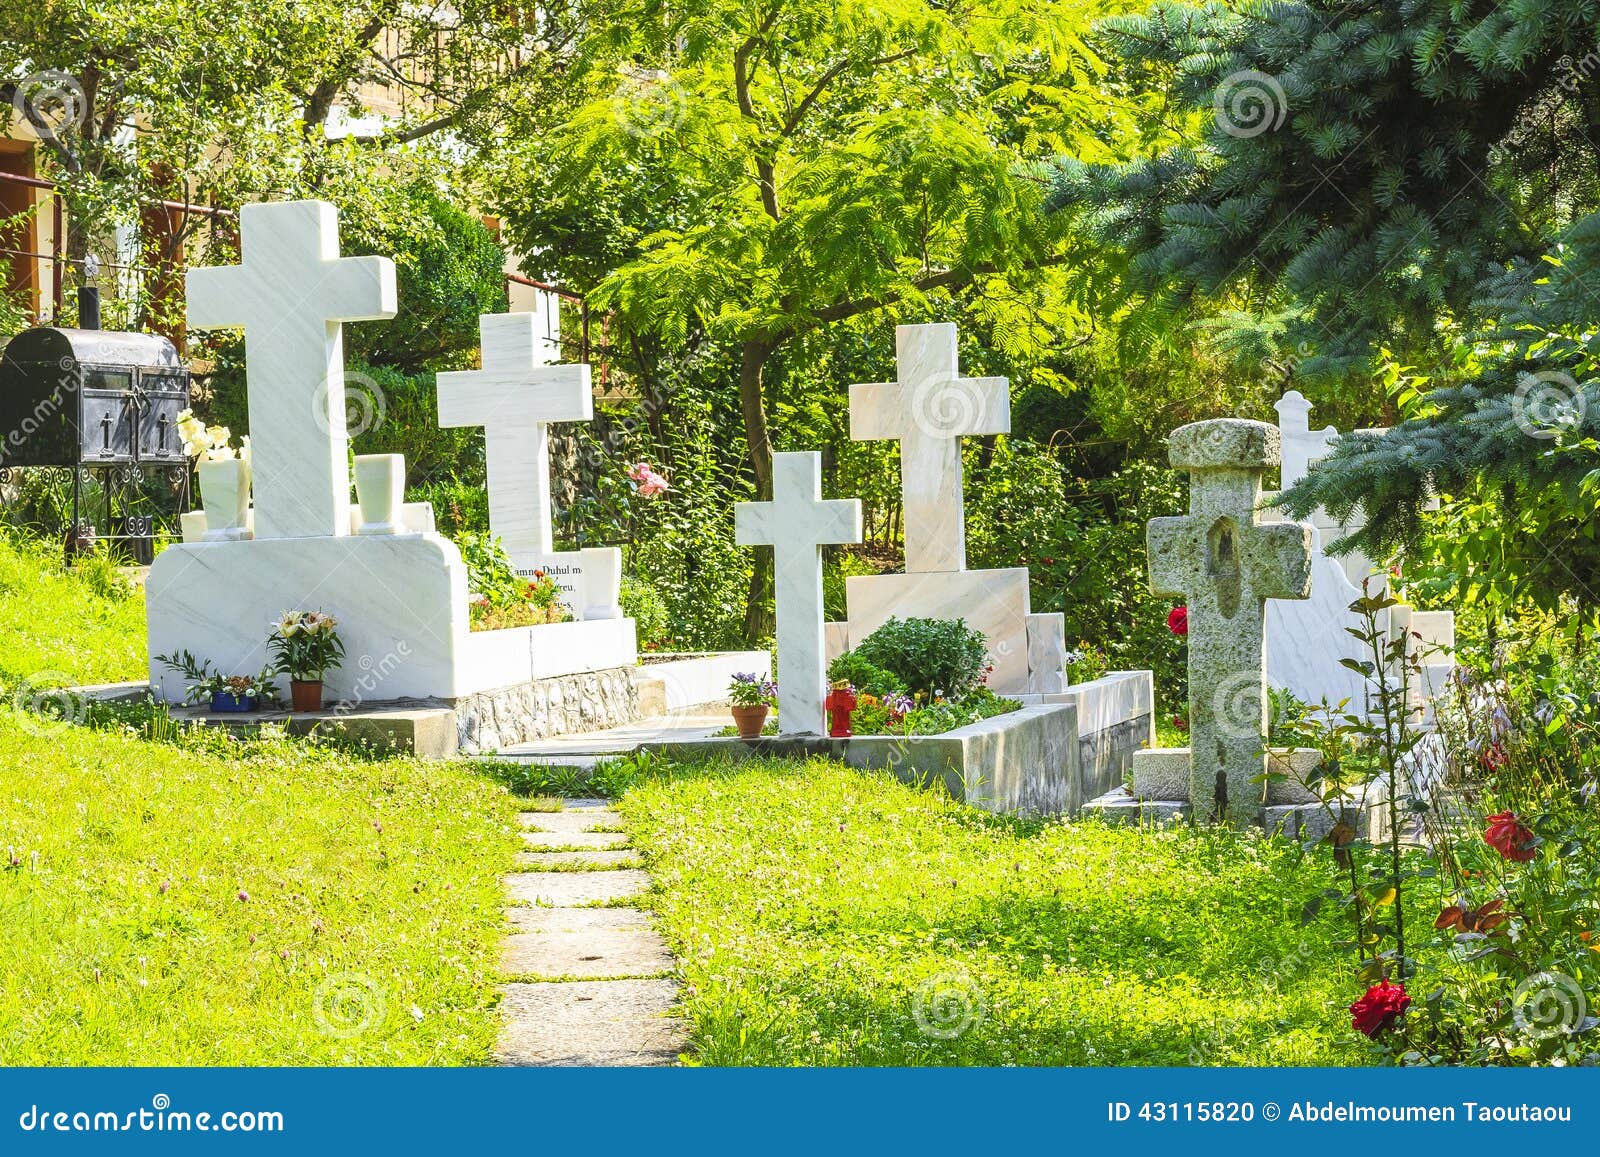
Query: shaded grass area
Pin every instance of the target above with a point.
(825, 915)
(214, 902)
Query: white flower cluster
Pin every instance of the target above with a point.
(210, 443)
(305, 622)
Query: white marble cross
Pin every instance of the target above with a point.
(515, 397)
(1226, 564)
(290, 293)
(1302, 446)
(796, 523)
(928, 410)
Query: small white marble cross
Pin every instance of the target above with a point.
(1302, 446)
(290, 293)
(515, 397)
(1226, 564)
(928, 410)
(796, 523)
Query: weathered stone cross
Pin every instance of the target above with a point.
(515, 397)
(796, 523)
(928, 410)
(1226, 564)
(290, 293)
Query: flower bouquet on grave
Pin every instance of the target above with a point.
(227, 693)
(305, 645)
(750, 697)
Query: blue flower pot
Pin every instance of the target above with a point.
(227, 701)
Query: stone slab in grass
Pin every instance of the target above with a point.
(587, 954)
(568, 861)
(591, 1022)
(568, 888)
(589, 840)
(571, 821)
(578, 920)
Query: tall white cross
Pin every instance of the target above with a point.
(515, 397)
(796, 523)
(929, 409)
(290, 293)
(1302, 446)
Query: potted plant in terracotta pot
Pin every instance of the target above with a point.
(750, 698)
(305, 645)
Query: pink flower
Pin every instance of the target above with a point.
(651, 485)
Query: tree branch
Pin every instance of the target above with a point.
(827, 78)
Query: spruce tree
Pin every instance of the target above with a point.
(1408, 181)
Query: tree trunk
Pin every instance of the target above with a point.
(758, 619)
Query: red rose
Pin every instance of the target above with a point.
(1510, 837)
(1178, 621)
(1180, 723)
(1378, 1009)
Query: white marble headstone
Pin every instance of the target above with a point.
(796, 524)
(291, 293)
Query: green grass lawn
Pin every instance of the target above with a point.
(216, 902)
(829, 916)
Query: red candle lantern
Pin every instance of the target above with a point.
(841, 701)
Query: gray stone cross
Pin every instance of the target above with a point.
(1226, 563)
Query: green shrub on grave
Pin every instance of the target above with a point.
(931, 657)
(864, 676)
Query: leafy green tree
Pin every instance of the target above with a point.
(780, 167)
(216, 102)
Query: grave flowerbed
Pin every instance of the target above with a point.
(501, 598)
(918, 677)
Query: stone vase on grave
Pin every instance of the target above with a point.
(602, 577)
(380, 487)
(225, 495)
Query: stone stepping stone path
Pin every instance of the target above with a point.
(590, 979)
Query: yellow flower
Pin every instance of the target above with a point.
(289, 625)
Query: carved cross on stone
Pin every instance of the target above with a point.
(796, 523)
(928, 410)
(1225, 563)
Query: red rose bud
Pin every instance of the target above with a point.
(1178, 621)
(1510, 837)
(1379, 1008)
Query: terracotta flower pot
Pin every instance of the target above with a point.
(750, 720)
(305, 697)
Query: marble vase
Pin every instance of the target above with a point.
(380, 487)
(225, 495)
